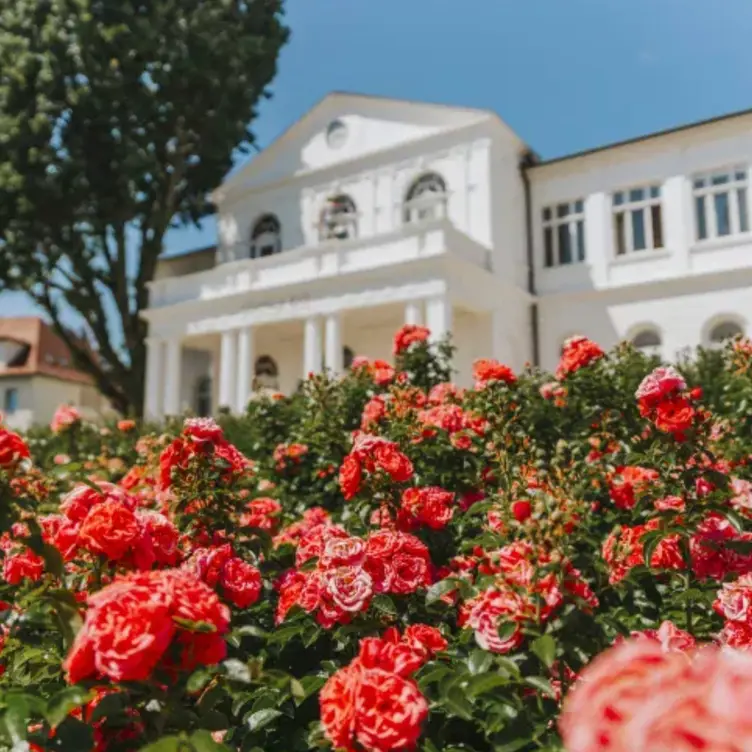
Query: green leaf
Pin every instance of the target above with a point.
(237, 670)
(441, 588)
(285, 634)
(384, 604)
(53, 560)
(166, 744)
(545, 648)
(198, 680)
(479, 661)
(485, 683)
(507, 629)
(541, 684)
(194, 626)
(61, 704)
(16, 717)
(458, 704)
(262, 718)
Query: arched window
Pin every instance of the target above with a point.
(266, 237)
(648, 342)
(426, 198)
(339, 219)
(202, 401)
(266, 373)
(723, 331)
(347, 356)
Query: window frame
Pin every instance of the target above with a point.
(257, 231)
(719, 344)
(420, 201)
(332, 216)
(574, 219)
(732, 188)
(7, 409)
(649, 349)
(623, 233)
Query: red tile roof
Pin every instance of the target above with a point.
(45, 353)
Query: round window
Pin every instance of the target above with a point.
(336, 134)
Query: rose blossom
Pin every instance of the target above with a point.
(65, 417)
(350, 588)
(13, 449)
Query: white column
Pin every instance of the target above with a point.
(599, 237)
(172, 377)
(414, 313)
(153, 396)
(227, 365)
(439, 317)
(333, 352)
(245, 368)
(312, 346)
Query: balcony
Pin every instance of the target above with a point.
(328, 260)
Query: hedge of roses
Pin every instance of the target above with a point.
(386, 562)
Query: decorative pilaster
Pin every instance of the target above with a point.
(227, 366)
(173, 351)
(312, 346)
(153, 406)
(245, 368)
(333, 345)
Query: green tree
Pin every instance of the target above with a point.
(117, 117)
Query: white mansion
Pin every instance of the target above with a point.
(371, 212)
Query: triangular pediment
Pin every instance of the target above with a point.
(344, 127)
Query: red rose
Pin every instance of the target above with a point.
(202, 429)
(410, 573)
(350, 477)
(131, 623)
(521, 510)
(674, 416)
(24, 565)
(111, 530)
(65, 417)
(342, 552)
(164, 537)
(577, 353)
(396, 464)
(337, 705)
(408, 335)
(426, 639)
(261, 513)
(127, 630)
(389, 711)
(486, 370)
(350, 588)
(241, 583)
(12, 449)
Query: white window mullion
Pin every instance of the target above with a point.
(647, 214)
(628, 239)
(733, 204)
(710, 217)
(572, 240)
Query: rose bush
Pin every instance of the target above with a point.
(384, 561)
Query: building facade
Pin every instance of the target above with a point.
(369, 213)
(37, 376)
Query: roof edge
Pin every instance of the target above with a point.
(645, 137)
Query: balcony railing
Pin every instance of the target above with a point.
(326, 260)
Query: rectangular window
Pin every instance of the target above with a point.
(564, 234)
(638, 220)
(721, 204)
(10, 403)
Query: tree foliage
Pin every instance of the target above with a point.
(117, 117)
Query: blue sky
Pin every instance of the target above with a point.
(565, 74)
